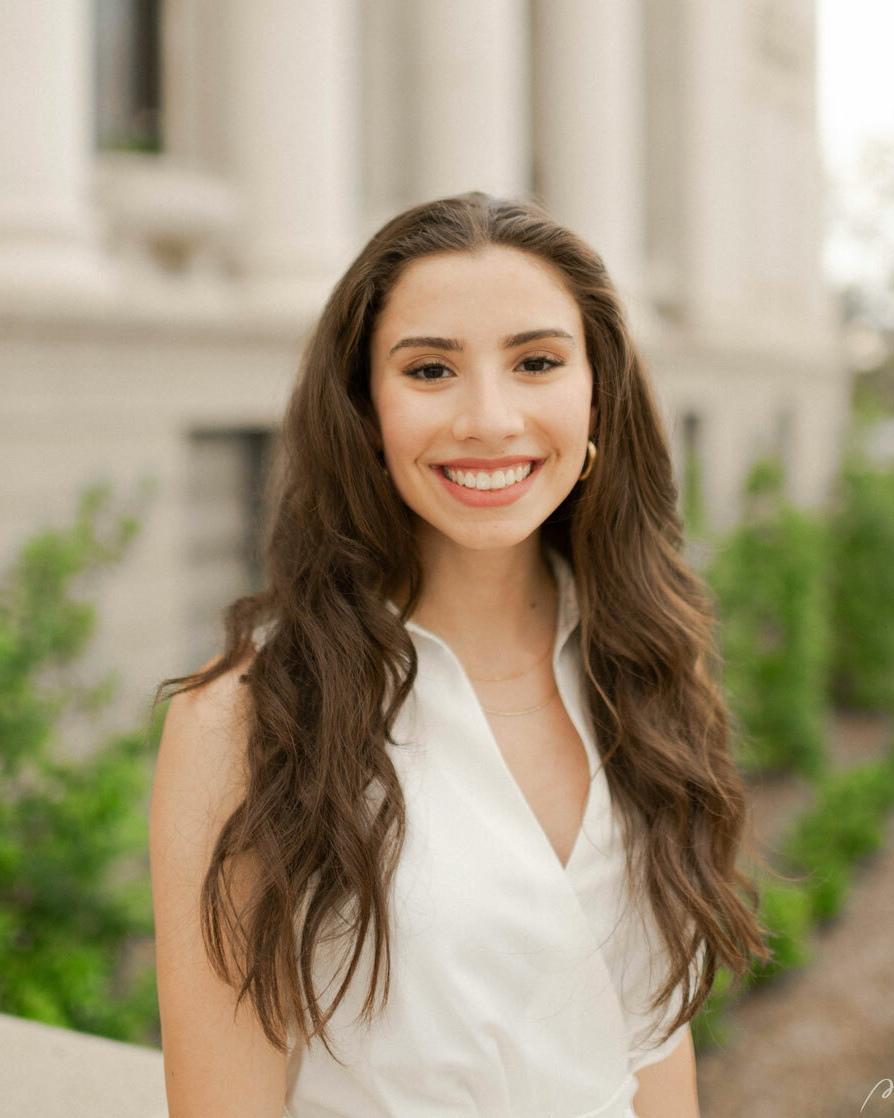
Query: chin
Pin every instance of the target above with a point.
(490, 537)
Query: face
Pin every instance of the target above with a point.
(483, 429)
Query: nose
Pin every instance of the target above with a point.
(488, 410)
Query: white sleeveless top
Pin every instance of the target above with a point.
(519, 988)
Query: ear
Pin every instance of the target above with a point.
(593, 422)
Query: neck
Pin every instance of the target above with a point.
(495, 607)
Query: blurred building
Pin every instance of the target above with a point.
(182, 181)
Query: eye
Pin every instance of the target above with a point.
(542, 359)
(419, 372)
(416, 371)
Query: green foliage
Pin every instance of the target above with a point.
(73, 833)
(862, 587)
(710, 1026)
(769, 576)
(786, 912)
(826, 843)
(845, 826)
(803, 601)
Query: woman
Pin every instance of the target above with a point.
(464, 757)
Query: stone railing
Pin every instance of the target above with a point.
(47, 1072)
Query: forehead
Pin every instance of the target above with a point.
(497, 290)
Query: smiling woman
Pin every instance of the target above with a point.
(485, 398)
(465, 747)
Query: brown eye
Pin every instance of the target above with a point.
(417, 370)
(542, 359)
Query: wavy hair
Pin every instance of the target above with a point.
(323, 814)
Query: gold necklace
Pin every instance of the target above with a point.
(518, 675)
(527, 710)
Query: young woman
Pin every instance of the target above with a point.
(451, 825)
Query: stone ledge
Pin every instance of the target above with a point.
(47, 1072)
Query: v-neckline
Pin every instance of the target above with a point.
(564, 626)
(565, 867)
(510, 776)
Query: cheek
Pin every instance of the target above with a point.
(403, 425)
(567, 418)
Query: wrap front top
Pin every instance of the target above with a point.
(519, 988)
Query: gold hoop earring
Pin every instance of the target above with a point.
(591, 458)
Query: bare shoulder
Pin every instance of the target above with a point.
(200, 777)
(219, 710)
(204, 741)
(218, 1060)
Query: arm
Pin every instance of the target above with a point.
(215, 1066)
(668, 1088)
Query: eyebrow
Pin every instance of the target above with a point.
(456, 346)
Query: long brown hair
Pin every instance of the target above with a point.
(328, 682)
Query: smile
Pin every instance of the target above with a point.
(489, 488)
(498, 479)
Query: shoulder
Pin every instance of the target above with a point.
(222, 705)
(201, 770)
(216, 1054)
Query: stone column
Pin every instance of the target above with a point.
(468, 97)
(293, 89)
(719, 173)
(588, 126)
(388, 144)
(47, 233)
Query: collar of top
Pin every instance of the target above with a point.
(567, 608)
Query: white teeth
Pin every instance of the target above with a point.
(499, 479)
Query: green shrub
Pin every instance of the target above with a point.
(826, 843)
(845, 826)
(786, 912)
(862, 586)
(709, 1026)
(769, 578)
(829, 886)
(802, 601)
(74, 887)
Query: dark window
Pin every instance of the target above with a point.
(785, 431)
(692, 486)
(226, 521)
(128, 75)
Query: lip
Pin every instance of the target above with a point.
(490, 464)
(489, 498)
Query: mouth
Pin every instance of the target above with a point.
(488, 488)
(489, 480)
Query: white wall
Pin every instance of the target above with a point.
(677, 135)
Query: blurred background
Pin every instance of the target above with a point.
(181, 184)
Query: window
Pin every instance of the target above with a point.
(226, 519)
(128, 75)
(784, 442)
(691, 476)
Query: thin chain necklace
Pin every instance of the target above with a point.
(517, 675)
(527, 710)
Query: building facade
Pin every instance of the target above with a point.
(182, 181)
